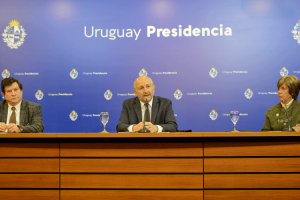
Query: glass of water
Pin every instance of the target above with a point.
(234, 116)
(104, 117)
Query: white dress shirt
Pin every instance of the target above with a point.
(9, 112)
(143, 109)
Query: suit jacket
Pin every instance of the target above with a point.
(162, 114)
(31, 119)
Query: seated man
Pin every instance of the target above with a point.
(158, 111)
(17, 114)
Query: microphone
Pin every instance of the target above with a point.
(144, 130)
(290, 129)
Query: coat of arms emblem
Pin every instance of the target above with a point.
(14, 34)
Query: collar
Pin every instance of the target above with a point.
(288, 104)
(18, 106)
(150, 103)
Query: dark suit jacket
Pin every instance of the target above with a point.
(162, 114)
(31, 119)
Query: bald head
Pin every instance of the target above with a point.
(144, 88)
(141, 78)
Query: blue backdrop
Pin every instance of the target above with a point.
(79, 58)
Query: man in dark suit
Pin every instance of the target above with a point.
(18, 115)
(134, 109)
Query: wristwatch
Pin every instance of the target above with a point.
(21, 129)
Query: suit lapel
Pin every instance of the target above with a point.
(154, 109)
(137, 108)
(23, 112)
(4, 114)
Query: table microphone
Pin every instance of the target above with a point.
(144, 130)
(290, 129)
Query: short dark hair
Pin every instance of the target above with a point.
(293, 84)
(8, 82)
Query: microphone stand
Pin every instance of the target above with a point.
(144, 130)
(290, 129)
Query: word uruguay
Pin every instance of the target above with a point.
(112, 34)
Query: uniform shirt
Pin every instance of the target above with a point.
(287, 105)
(277, 113)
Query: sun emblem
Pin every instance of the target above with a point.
(14, 23)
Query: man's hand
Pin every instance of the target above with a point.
(152, 128)
(297, 128)
(138, 127)
(3, 127)
(13, 128)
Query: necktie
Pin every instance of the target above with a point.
(147, 113)
(13, 116)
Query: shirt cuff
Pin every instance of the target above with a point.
(130, 128)
(159, 129)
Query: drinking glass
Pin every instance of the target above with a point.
(104, 116)
(234, 116)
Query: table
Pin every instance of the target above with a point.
(192, 165)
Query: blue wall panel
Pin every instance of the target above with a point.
(258, 44)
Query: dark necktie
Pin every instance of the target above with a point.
(13, 116)
(147, 113)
